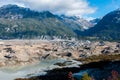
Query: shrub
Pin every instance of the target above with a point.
(86, 77)
(114, 76)
(70, 76)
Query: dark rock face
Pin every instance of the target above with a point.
(87, 47)
(107, 28)
(68, 54)
(8, 57)
(118, 45)
(107, 50)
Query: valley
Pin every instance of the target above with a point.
(44, 45)
(28, 56)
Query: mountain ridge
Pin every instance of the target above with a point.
(108, 28)
(19, 22)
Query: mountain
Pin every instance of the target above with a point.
(76, 23)
(95, 21)
(16, 12)
(20, 22)
(108, 28)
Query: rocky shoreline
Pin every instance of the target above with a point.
(27, 52)
(100, 70)
(24, 52)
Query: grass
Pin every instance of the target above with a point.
(97, 58)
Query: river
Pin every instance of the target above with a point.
(11, 73)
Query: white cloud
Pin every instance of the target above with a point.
(67, 7)
(88, 18)
(5, 2)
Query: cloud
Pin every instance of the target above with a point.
(67, 7)
(88, 18)
(5, 2)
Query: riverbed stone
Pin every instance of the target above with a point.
(23, 52)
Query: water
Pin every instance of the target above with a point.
(101, 71)
(18, 72)
(12, 73)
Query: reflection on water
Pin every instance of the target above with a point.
(99, 70)
(18, 72)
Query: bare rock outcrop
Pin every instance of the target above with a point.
(22, 52)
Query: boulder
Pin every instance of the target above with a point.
(67, 54)
(107, 50)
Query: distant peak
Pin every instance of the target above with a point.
(118, 9)
(48, 12)
(9, 5)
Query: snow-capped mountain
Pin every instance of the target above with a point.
(108, 28)
(76, 23)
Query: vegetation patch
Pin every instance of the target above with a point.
(97, 58)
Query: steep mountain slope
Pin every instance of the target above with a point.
(76, 23)
(108, 28)
(16, 12)
(95, 21)
(19, 22)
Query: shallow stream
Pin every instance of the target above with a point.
(11, 73)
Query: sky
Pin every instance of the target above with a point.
(103, 7)
(84, 8)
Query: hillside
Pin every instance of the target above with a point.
(76, 23)
(22, 23)
(19, 22)
(108, 28)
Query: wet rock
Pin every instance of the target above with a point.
(66, 63)
(67, 54)
(87, 47)
(101, 43)
(118, 45)
(83, 55)
(44, 57)
(8, 56)
(60, 64)
(107, 50)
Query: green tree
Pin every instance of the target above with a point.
(86, 77)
